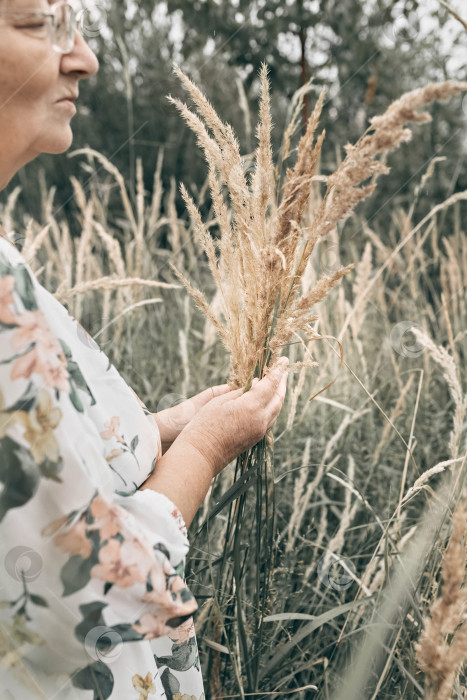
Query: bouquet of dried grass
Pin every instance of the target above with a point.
(258, 264)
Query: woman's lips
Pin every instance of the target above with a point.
(69, 104)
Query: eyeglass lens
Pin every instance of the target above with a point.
(64, 28)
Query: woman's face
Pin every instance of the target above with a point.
(33, 80)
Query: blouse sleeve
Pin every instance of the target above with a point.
(78, 556)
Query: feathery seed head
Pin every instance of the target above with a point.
(263, 253)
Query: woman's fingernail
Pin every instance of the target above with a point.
(284, 361)
(255, 381)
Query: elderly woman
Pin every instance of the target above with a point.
(93, 510)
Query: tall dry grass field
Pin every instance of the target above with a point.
(338, 595)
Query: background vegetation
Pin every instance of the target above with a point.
(345, 461)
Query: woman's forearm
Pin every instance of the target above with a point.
(225, 427)
(169, 430)
(184, 475)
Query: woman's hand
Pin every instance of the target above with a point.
(171, 421)
(235, 421)
(223, 428)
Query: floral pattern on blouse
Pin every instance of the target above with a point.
(93, 604)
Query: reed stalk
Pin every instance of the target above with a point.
(258, 263)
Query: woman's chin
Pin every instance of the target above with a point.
(59, 144)
(63, 144)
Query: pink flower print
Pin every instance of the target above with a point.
(177, 516)
(184, 632)
(57, 376)
(75, 541)
(106, 518)
(45, 358)
(33, 328)
(111, 567)
(124, 565)
(7, 285)
(177, 584)
(162, 597)
(27, 365)
(54, 526)
(151, 626)
(112, 430)
(160, 573)
(138, 555)
(158, 578)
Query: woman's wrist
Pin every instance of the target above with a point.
(184, 475)
(167, 435)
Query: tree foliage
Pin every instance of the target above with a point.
(365, 52)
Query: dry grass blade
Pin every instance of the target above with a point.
(263, 183)
(110, 167)
(108, 283)
(454, 13)
(443, 643)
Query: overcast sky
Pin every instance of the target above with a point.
(94, 18)
(452, 29)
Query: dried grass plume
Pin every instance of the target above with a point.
(260, 257)
(442, 647)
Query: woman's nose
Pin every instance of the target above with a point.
(81, 59)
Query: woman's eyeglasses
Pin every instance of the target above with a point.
(60, 24)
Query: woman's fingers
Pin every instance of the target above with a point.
(282, 387)
(278, 402)
(207, 395)
(267, 395)
(220, 389)
(235, 420)
(273, 383)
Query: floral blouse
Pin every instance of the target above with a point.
(93, 604)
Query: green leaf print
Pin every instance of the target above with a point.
(77, 381)
(109, 637)
(170, 683)
(26, 402)
(183, 657)
(38, 600)
(97, 677)
(127, 632)
(75, 400)
(23, 352)
(7, 326)
(92, 617)
(180, 569)
(51, 470)
(125, 494)
(76, 573)
(20, 475)
(24, 286)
